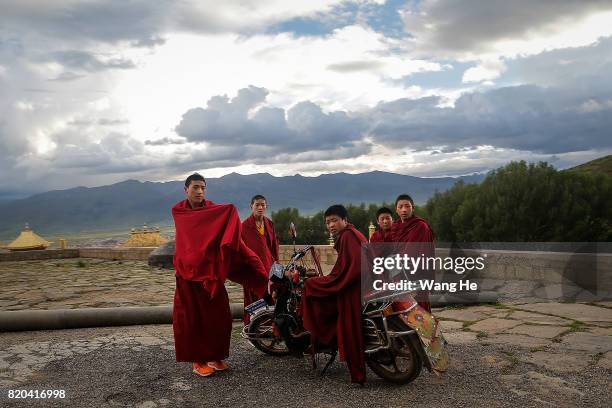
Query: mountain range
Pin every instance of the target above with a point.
(132, 203)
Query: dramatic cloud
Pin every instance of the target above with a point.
(485, 71)
(529, 118)
(91, 21)
(355, 66)
(97, 91)
(165, 141)
(144, 23)
(236, 122)
(587, 67)
(521, 118)
(85, 61)
(475, 27)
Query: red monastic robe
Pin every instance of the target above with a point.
(416, 229)
(209, 249)
(265, 246)
(331, 305)
(381, 236)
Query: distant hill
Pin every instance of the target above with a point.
(601, 165)
(132, 203)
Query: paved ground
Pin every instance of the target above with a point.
(537, 354)
(515, 353)
(80, 283)
(86, 282)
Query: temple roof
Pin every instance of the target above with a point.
(28, 240)
(145, 237)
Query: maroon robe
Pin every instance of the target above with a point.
(381, 236)
(414, 230)
(265, 246)
(209, 249)
(331, 305)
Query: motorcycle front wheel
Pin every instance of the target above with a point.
(261, 335)
(400, 365)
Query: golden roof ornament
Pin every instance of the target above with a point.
(145, 237)
(371, 230)
(28, 240)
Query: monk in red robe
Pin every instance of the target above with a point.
(384, 218)
(258, 234)
(331, 305)
(412, 229)
(209, 249)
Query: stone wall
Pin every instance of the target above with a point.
(327, 255)
(591, 271)
(117, 254)
(39, 255)
(587, 270)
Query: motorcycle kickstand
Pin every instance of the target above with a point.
(330, 362)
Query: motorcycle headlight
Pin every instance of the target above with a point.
(277, 272)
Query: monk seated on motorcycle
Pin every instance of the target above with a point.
(331, 305)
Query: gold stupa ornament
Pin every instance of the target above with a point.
(371, 230)
(145, 237)
(28, 240)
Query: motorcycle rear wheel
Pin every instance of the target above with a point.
(403, 363)
(263, 337)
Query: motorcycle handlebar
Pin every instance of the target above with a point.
(301, 253)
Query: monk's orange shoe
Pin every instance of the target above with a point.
(218, 365)
(203, 370)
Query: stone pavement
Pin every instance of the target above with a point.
(81, 283)
(86, 282)
(526, 354)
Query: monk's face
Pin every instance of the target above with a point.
(335, 224)
(259, 207)
(195, 192)
(384, 221)
(404, 209)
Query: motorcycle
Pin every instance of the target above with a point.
(400, 337)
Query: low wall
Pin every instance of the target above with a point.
(117, 254)
(39, 255)
(327, 255)
(588, 270)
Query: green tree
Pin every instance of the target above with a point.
(311, 228)
(525, 202)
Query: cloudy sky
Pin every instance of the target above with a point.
(94, 92)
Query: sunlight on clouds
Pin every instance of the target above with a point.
(240, 14)
(485, 71)
(479, 159)
(187, 70)
(569, 33)
(83, 90)
(24, 105)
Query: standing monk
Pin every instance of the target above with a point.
(412, 229)
(209, 249)
(259, 235)
(384, 218)
(332, 304)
